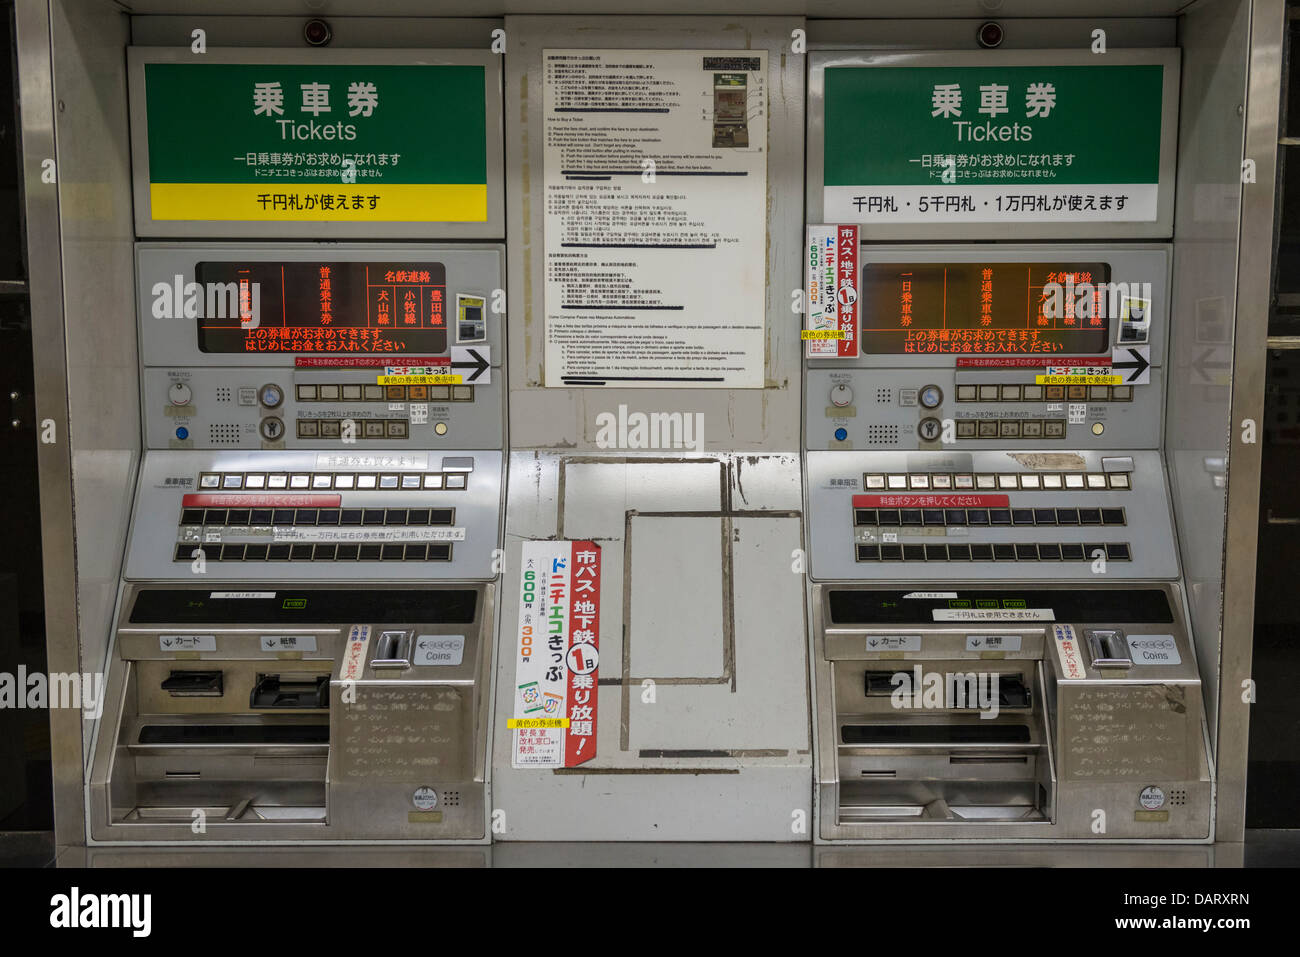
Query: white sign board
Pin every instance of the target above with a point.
(656, 218)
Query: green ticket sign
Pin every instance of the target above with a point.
(316, 142)
(1014, 143)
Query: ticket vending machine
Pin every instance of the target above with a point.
(961, 577)
(1002, 642)
(305, 626)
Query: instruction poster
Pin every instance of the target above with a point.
(655, 218)
(557, 656)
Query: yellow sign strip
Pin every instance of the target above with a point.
(419, 380)
(243, 202)
(537, 723)
(1079, 379)
(822, 334)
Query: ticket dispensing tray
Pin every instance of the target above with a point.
(282, 712)
(1008, 713)
(943, 735)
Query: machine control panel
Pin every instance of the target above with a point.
(981, 347)
(1036, 515)
(388, 515)
(321, 347)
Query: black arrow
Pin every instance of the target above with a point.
(478, 365)
(1140, 365)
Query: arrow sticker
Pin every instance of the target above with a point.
(473, 363)
(1133, 363)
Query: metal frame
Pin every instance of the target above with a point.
(49, 355)
(1249, 362)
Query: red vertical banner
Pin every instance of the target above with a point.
(583, 657)
(846, 289)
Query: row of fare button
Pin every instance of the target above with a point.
(1044, 393)
(332, 552)
(317, 516)
(987, 516)
(997, 552)
(365, 429)
(384, 393)
(998, 480)
(333, 480)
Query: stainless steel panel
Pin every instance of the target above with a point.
(960, 29)
(1254, 288)
(49, 344)
(702, 735)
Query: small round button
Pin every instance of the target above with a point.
(1098, 428)
(441, 428)
(841, 435)
(270, 395)
(929, 429)
(179, 394)
(931, 396)
(182, 433)
(272, 428)
(841, 396)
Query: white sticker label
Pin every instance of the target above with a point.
(354, 653)
(443, 650)
(931, 594)
(288, 533)
(994, 614)
(1154, 650)
(242, 594)
(1069, 651)
(893, 643)
(344, 460)
(419, 413)
(187, 642)
(1133, 363)
(1152, 798)
(288, 642)
(992, 642)
(1079, 370)
(472, 363)
(1078, 412)
(425, 799)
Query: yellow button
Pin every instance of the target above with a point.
(441, 428)
(1098, 428)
